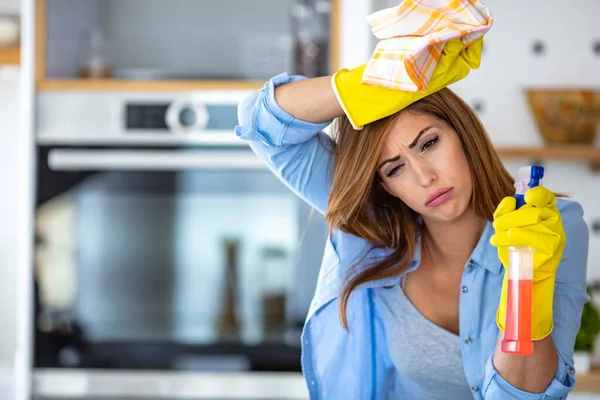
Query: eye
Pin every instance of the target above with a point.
(430, 143)
(394, 170)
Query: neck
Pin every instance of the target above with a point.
(452, 242)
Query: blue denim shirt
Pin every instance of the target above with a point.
(355, 364)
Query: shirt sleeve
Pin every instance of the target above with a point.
(569, 297)
(296, 151)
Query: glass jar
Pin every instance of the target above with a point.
(275, 284)
(96, 60)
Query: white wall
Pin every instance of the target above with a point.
(9, 99)
(9, 91)
(10, 6)
(568, 31)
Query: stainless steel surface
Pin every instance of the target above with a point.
(163, 74)
(151, 160)
(130, 261)
(207, 139)
(171, 385)
(101, 118)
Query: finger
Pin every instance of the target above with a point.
(452, 48)
(524, 216)
(549, 214)
(540, 196)
(544, 242)
(507, 205)
(472, 54)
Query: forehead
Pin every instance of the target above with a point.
(407, 126)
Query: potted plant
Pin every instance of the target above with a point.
(586, 337)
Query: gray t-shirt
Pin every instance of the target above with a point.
(427, 357)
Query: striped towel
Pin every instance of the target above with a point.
(412, 37)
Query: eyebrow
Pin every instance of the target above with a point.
(410, 146)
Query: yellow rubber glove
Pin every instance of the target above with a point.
(536, 224)
(364, 103)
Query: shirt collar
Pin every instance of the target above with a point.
(414, 264)
(485, 254)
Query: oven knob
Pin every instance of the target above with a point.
(186, 116)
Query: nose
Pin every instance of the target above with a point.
(425, 174)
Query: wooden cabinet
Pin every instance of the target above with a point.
(176, 44)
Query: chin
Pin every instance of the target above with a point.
(450, 211)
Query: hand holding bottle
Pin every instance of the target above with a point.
(538, 225)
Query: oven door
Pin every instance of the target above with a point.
(169, 259)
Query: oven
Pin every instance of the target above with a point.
(164, 250)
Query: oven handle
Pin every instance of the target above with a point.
(152, 160)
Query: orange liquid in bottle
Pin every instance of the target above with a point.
(517, 332)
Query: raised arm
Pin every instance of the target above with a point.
(311, 100)
(283, 124)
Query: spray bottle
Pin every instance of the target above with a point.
(517, 332)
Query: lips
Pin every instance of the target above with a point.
(439, 196)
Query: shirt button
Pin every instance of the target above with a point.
(468, 340)
(312, 382)
(464, 289)
(474, 388)
(571, 371)
(471, 264)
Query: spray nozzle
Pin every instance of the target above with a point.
(527, 178)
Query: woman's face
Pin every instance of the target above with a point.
(423, 164)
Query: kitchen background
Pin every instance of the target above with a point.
(143, 250)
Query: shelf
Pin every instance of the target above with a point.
(585, 153)
(577, 152)
(10, 55)
(127, 85)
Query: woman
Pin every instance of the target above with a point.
(410, 286)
